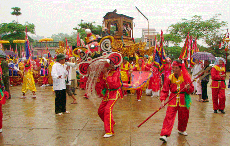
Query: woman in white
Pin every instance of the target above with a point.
(197, 84)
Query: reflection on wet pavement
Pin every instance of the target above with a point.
(33, 122)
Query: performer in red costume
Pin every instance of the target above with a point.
(175, 83)
(100, 85)
(167, 68)
(218, 74)
(113, 92)
(140, 67)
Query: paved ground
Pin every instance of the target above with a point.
(33, 122)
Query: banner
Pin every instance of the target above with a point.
(138, 80)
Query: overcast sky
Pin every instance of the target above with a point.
(61, 16)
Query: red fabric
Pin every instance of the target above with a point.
(45, 80)
(168, 86)
(218, 94)
(143, 68)
(215, 75)
(1, 116)
(175, 63)
(106, 107)
(105, 112)
(100, 85)
(155, 80)
(183, 116)
(83, 81)
(139, 93)
(113, 82)
(125, 91)
(167, 70)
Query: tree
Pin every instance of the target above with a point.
(16, 12)
(137, 40)
(15, 31)
(198, 28)
(169, 38)
(72, 39)
(173, 52)
(97, 30)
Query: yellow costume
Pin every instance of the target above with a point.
(28, 79)
(50, 80)
(124, 71)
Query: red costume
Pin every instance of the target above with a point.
(218, 87)
(155, 80)
(167, 70)
(83, 80)
(175, 85)
(143, 67)
(113, 92)
(100, 85)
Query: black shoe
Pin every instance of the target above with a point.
(222, 111)
(215, 111)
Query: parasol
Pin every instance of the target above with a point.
(46, 40)
(21, 42)
(203, 56)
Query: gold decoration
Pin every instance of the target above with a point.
(4, 42)
(19, 41)
(46, 40)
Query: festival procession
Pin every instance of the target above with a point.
(109, 88)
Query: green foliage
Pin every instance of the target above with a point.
(137, 40)
(96, 30)
(72, 39)
(173, 52)
(16, 12)
(15, 31)
(170, 39)
(198, 28)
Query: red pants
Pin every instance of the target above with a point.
(183, 115)
(139, 93)
(45, 80)
(1, 116)
(105, 112)
(218, 93)
(125, 91)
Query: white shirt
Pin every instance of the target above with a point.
(59, 70)
(72, 71)
(195, 70)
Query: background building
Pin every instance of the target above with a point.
(151, 36)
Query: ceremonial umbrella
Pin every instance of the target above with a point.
(203, 56)
(46, 40)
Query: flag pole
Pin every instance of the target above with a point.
(148, 38)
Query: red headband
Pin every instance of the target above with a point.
(175, 63)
